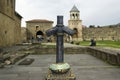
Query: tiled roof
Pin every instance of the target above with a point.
(74, 9)
(40, 21)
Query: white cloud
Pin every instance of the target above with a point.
(97, 12)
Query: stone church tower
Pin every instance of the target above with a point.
(75, 23)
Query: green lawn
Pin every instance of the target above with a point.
(114, 44)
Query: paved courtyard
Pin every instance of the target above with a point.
(84, 66)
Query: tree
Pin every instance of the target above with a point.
(98, 26)
(92, 26)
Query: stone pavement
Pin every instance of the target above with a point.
(84, 66)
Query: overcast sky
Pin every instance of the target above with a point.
(92, 12)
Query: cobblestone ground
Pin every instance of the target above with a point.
(84, 66)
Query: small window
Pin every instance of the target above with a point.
(37, 26)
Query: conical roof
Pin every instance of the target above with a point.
(74, 9)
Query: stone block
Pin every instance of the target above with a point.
(26, 61)
(112, 59)
(66, 76)
(89, 51)
(2, 65)
(118, 58)
(94, 53)
(104, 56)
(99, 54)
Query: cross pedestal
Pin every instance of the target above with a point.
(60, 70)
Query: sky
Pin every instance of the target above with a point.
(92, 12)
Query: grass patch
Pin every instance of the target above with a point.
(114, 44)
(48, 46)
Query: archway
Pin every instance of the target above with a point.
(39, 35)
(73, 37)
(76, 34)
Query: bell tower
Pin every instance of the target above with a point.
(75, 23)
(74, 13)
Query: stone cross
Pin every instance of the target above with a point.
(59, 31)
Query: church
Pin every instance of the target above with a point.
(36, 29)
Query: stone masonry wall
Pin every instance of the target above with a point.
(32, 30)
(102, 33)
(6, 30)
(10, 24)
(23, 34)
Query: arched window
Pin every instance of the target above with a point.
(76, 15)
(73, 16)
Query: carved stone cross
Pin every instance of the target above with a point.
(60, 70)
(59, 31)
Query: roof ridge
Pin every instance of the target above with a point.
(39, 20)
(74, 9)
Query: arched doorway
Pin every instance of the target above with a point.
(76, 34)
(73, 37)
(39, 35)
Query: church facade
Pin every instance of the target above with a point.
(36, 28)
(10, 24)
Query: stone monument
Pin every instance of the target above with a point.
(60, 70)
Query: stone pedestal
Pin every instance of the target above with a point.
(62, 76)
(60, 71)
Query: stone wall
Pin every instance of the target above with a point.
(69, 50)
(102, 33)
(10, 24)
(23, 34)
(112, 57)
(6, 30)
(107, 55)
